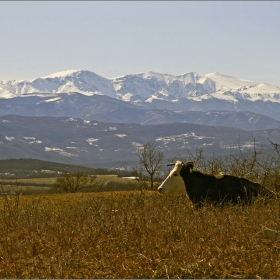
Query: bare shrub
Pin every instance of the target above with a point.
(74, 182)
(150, 162)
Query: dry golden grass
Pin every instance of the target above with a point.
(135, 235)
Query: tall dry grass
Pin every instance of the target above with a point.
(135, 235)
(141, 234)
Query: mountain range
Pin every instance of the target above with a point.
(100, 144)
(88, 95)
(79, 117)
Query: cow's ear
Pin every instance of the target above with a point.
(190, 165)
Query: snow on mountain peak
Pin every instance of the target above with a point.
(149, 86)
(61, 74)
(191, 77)
(82, 81)
(226, 82)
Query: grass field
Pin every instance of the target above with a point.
(141, 234)
(134, 234)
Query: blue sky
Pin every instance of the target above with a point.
(238, 38)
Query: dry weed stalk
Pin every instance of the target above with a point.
(134, 235)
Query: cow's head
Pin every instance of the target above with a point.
(174, 183)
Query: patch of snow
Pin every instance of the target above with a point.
(9, 138)
(237, 147)
(201, 97)
(224, 96)
(7, 174)
(33, 140)
(51, 100)
(36, 141)
(136, 145)
(121, 135)
(49, 171)
(50, 149)
(66, 154)
(60, 151)
(91, 140)
(181, 138)
(127, 96)
(6, 94)
(208, 144)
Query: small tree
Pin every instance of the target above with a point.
(73, 182)
(150, 160)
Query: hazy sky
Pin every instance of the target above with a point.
(237, 38)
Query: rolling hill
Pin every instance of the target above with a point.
(100, 144)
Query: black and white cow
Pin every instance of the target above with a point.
(201, 187)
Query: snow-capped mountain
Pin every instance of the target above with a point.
(84, 82)
(196, 92)
(188, 92)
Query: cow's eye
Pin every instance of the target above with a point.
(175, 174)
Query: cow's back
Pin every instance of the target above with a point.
(201, 186)
(227, 189)
(197, 185)
(207, 187)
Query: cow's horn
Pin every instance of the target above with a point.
(171, 164)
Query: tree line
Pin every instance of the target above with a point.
(150, 159)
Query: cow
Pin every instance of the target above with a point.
(215, 189)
